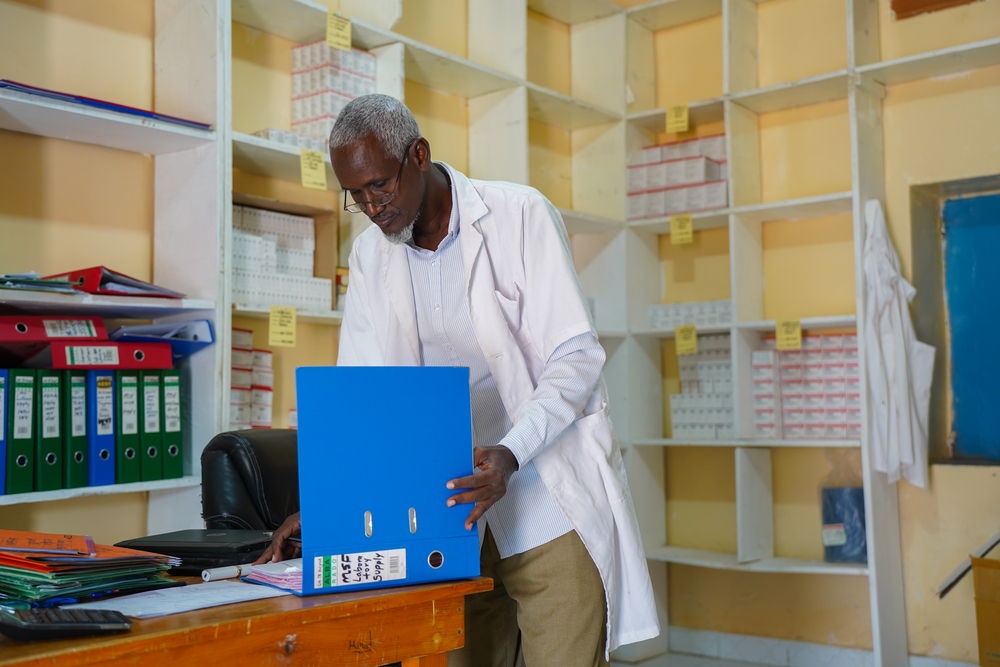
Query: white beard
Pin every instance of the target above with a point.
(404, 235)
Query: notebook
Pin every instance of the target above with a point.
(206, 547)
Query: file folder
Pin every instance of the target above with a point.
(372, 488)
(74, 428)
(150, 438)
(127, 433)
(100, 427)
(22, 336)
(48, 434)
(185, 338)
(173, 428)
(102, 280)
(20, 430)
(102, 354)
(3, 430)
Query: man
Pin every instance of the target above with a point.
(478, 274)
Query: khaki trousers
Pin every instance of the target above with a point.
(548, 602)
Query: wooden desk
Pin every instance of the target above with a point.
(415, 624)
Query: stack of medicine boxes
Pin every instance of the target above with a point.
(251, 382)
(273, 261)
(704, 409)
(324, 80)
(665, 316)
(680, 177)
(808, 394)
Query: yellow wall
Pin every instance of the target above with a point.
(548, 53)
(790, 28)
(973, 22)
(440, 23)
(444, 120)
(262, 81)
(688, 62)
(550, 157)
(98, 48)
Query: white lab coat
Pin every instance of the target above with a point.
(524, 300)
(898, 366)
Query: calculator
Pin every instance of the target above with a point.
(56, 622)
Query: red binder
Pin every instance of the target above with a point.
(103, 355)
(102, 280)
(21, 336)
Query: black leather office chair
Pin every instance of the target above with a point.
(250, 479)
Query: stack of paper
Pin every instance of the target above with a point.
(47, 569)
(286, 575)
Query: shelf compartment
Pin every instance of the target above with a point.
(114, 307)
(563, 111)
(584, 223)
(44, 117)
(699, 112)
(270, 158)
(795, 209)
(133, 487)
(674, 442)
(301, 21)
(331, 317)
(934, 63)
(807, 323)
(578, 11)
(804, 92)
(701, 220)
(670, 13)
(726, 561)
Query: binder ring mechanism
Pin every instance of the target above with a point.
(412, 517)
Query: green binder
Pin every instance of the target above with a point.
(127, 441)
(48, 435)
(20, 431)
(173, 432)
(150, 435)
(74, 429)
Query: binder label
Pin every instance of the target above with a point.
(171, 408)
(151, 407)
(366, 567)
(130, 406)
(92, 355)
(69, 328)
(105, 405)
(78, 410)
(50, 408)
(23, 400)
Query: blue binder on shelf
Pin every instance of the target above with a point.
(372, 483)
(100, 427)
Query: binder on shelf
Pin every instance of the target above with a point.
(173, 428)
(100, 427)
(102, 354)
(102, 280)
(20, 431)
(74, 429)
(3, 430)
(48, 433)
(127, 419)
(22, 336)
(150, 434)
(185, 338)
(386, 530)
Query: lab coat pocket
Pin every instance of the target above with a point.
(511, 308)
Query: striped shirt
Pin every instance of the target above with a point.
(527, 516)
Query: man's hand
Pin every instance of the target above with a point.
(488, 484)
(281, 548)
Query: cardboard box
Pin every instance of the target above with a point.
(986, 584)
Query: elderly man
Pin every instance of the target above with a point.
(461, 272)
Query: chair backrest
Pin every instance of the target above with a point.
(250, 479)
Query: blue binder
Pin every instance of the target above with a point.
(3, 429)
(376, 446)
(100, 427)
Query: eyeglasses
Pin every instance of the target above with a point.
(379, 199)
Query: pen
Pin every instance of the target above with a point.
(230, 572)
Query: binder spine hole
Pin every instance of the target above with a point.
(435, 559)
(151, 452)
(104, 455)
(139, 355)
(21, 327)
(78, 457)
(173, 450)
(21, 461)
(368, 523)
(130, 453)
(413, 520)
(51, 458)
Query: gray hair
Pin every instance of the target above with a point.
(383, 116)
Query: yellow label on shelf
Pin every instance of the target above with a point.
(686, 339)
(313, 168)
(788, 335)
(281, 327)
(338, 31)
(681, 229)
(677, 118)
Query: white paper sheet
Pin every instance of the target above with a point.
(183, 598)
